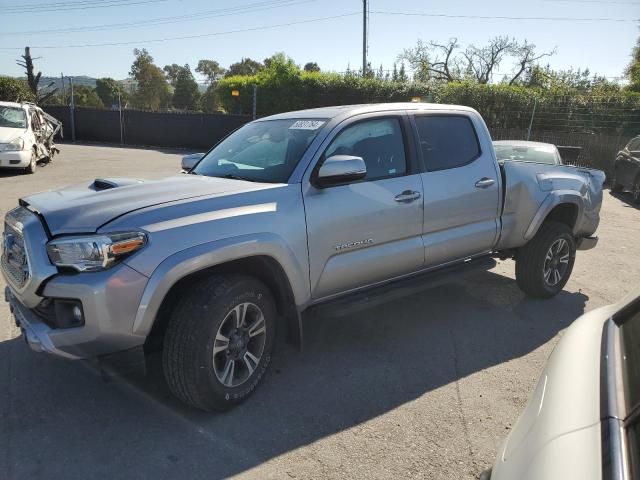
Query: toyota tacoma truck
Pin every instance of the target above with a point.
(286, 215)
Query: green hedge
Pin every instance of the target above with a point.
(502, 106)
(15, 90)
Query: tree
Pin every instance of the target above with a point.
(210, 69)
(246, 66)
(311, 67)
(483, 61)
(15, 90)
(171, 72)
(186, 94)
(110, 92)
(84, 96)
(526, 58)
(33, 79)
(402, 74)
(633, 70)
(434, 61)
(281, 66)
(152, 91)
(581, 80)
(443, 62)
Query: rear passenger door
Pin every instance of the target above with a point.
(461, 187)
(370, 230)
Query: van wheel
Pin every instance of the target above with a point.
(544, 265)
(219, 342)
(33, 163)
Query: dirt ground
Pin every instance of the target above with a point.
(423, 387)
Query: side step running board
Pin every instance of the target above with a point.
(378, 295)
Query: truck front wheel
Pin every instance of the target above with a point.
(544, 265)
(219, 342)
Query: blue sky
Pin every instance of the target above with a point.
(603, 46)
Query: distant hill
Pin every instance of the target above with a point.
(79, 80)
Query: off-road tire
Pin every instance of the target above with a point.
(33, 163)
(530, 260)
(187, 356)
(615, 186)
(635, 191)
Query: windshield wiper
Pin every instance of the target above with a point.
(234, 177)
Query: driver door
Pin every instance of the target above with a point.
(368, 231)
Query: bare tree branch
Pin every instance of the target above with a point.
(526, 58)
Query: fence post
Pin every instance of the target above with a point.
(535, 103)
(255, 101)
(120, 115)
(72, 112)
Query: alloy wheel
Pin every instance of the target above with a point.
(556, 262)
(239, 344)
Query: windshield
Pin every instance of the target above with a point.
(13, 117)
(266, 151)
(527, 153)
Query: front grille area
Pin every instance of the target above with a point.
(14, 259)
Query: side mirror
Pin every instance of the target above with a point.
(189, 161)
(340, 169)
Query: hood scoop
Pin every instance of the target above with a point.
(100, 184)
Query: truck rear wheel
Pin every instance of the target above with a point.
(219, 342)
(544, 265)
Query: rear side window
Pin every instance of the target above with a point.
(447, 141)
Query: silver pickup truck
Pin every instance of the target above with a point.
(287, 214)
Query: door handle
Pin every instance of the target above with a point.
(485, 182)
(407, 196)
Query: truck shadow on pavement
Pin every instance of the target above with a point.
(626, 198)
(62, 420)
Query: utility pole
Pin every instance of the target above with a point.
(64, 90)
(364, 37)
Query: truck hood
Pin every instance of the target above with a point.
(85, 207)
(7, 133)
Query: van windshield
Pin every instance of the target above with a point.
(13, 117)
(263, 151)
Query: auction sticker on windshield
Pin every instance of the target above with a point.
(307, 125)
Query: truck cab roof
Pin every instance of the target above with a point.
(350, 110)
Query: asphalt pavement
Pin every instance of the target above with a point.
(427, 386)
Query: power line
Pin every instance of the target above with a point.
(188, 37)
(606, 2)
(249, 8)
(64, 7)
(487, 17)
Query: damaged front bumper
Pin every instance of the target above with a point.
(36, 332)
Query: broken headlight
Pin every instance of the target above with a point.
(94, 252)
(15, 145)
